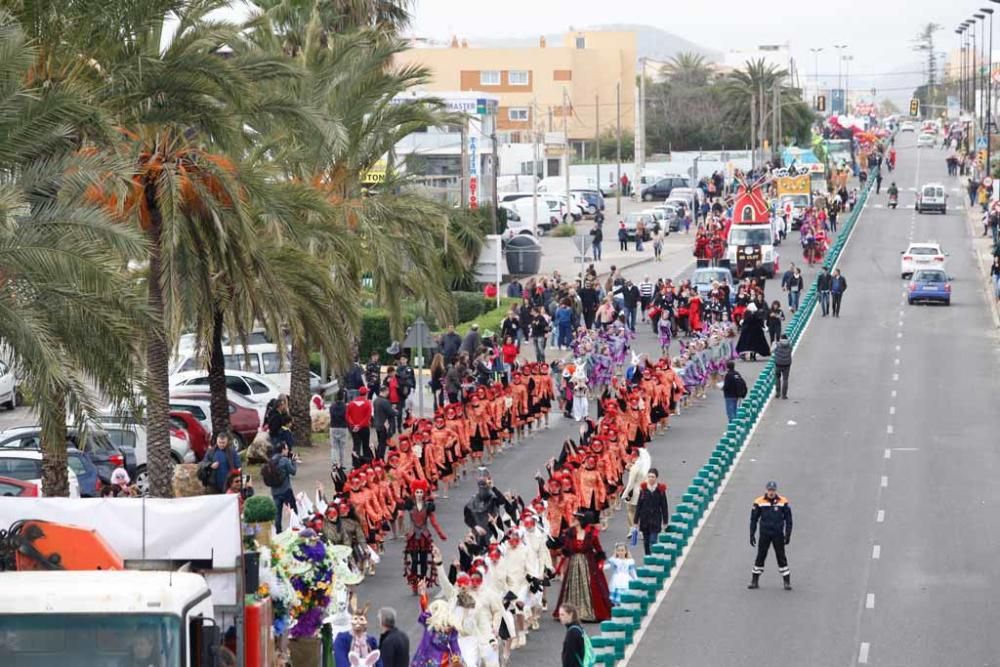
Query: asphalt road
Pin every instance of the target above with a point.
(678, 454)
(886, 451)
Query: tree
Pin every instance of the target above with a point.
(924, 43)
(688, 70)
(755, 91)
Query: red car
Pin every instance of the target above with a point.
(244, 415)
(17, 488)
(197, 436)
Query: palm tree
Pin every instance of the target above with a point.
(68, 314)
(755, 91)
(688, 69)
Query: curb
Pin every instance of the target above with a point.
(983, 265)
(619, 637)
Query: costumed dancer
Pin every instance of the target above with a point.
(419, 541)
(356, 646)
(439, 645)
(621, 567)
(584, 585)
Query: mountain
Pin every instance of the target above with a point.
(652, 43)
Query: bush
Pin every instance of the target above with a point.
(468, 305)
(259, 509)
(564, 230)
(490, 320)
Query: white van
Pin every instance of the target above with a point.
(263, 359)
(558, 183)
(749, 244)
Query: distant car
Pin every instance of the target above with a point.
(593, 199)
(661, 219)
(245, 418)
(662, 188)
(926, 140)
(703, 278)
(921, 256)
(125, 433)
(632, 221)
(256, 387)
(929, 285)
(673, 214)
(932, 197)
(907, 126)
(96, 445)
(26, 465)
(17, 488)
(198, 437)
(86, 473)
(799, 203)
(8, 386)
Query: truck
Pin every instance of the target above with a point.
(100, 582)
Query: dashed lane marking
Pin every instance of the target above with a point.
(888, 429)
(876, 552)
(895, 377)
(892, 409)
(888, 453)
(863, 653)
(880, 516)
(870, 601)
(893, 394)
(885, 481)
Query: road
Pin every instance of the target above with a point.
(677, 454)
(887, 452)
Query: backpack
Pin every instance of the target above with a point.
(205, 471)
(741, 386)
(588, 659)
(272, 474)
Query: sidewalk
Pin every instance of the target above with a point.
(982, 248)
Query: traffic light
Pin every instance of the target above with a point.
(821, 103)
(914, 107)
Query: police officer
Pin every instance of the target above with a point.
(775, 517)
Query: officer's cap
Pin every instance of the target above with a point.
(772, 486)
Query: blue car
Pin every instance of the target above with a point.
(929, 285)
(86, 473)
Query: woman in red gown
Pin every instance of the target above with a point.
(583, 581)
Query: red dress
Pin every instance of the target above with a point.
(583, 581)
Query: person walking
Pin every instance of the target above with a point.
(734, 389)
(393, 644)
(373, 373)
(596, 239)
(630, 297)
(782, 366)
(383, 417)
(574, 643)
(359, 421)
(651, 512)
(786, 280)
(279, 423)
(774, 515)
(795, 285)
(646, 290)
(622, 237)
(824, 282)
(224, 461)
(878, 181)
(280, 469)
(775, 317)
(339, 433)
(838, 285)
(451, 343)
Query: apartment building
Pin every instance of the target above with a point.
(543, 86)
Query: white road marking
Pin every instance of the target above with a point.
(906, 449)
(880, 517)
(898, 348)
(888, 429)
(895, 377)
(870, 601)
(863, 653)
(893, 393)
(895, 362)
(876, 552)
(888, 453)
(885, 481)
(902, 312)
(892, 409)
(899, 335)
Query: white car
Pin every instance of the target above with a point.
(925, 139)
(8, 387)
(932, 197)
(124, 433)
(907, 126)
(926, 255)
(26, 465)
(256, 387)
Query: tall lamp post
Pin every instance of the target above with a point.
(989, 90)
(979, 73)
(960, 31)
(816, 52)
(840, 81)
(847, 80)
(972, 80)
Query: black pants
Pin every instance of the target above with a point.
(622, 245)
(588, 317)
(382, 434)
(766, 541)
(781, 381)
(362, 449)
(280, 500)
(837, 296)
(649, 538)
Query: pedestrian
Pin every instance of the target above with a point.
(651, 512)
(393, 391)
(878, 181)
(622, 237)
(838, 285)
(451, 343)
(472, 341)
(564, 325)
(783, 366)
(277, 474)
(590, 299)
(407, 384)
(795, 285)
(786, 281)
(646, 289)
(775, 316)
(359, 421)
(279, 423)
(774, 515)
(658, 244)
(373, 373)
(623, 572)
(437, 379)
(354, 380)
(972, 188)
(392, 644)
(823, 283)
(224, 461)
(575, 642)
(734, 389)
(995, 276)
(383, 417)
(596, 239)
(630, 298)
(339, 449)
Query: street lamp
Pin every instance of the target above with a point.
(840, 48)
(960, 31)
(982, 63)
(971, 25)
(847, 80)
(989, 91)
(816, 52)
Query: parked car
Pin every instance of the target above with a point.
(126, 433)
(245, 418)
(95, 443)
(260, 358)
(8, 386)
(593, 198)
(662, 188)
(86, 473)
(907, 126)
(632, 221)
(929, 285)
(17, 488)
(26, 465)
(198, 437)
(256, 387)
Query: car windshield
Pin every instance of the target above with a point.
(922, 250)
(23, 469)
(634, 218)
(800, 201)
(930, 277)
(757, 235)
(91, 640)
(707, 277)
(242, 362)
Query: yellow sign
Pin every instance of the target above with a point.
(794, 185)
(375, 175)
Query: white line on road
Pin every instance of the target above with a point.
(870, 601)
(885, 481)
(892, 409)
(876, 552)
(888, 429)
(893, 393)
(898, 348)
(880, 517)
(895, 361)
(863, 653)
(899, 335)
(895, 377)
(888, 453)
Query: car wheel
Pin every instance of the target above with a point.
(142, 480)
(647, 197)
(944, 211)
(12, 403)
(948, 302)
(240, 443)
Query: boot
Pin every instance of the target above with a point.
(754, 581)
(788, 582)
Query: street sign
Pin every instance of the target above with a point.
(418, 336)
(981, 142)
(987, 182)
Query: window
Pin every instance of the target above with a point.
(242, 362)
(581, 42)
(517, 113)
(77, 465)
(196, 411)
(257, 387)
(22, 469)
(923, 250)
(757, 235)
(237, 384)
(489, 77)
(273, 363)
(122, 438)
(519, 77)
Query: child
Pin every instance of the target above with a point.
(775, 316)
(622, 571)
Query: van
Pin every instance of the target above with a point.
(749, 244)
(932, 197)
(262, 358)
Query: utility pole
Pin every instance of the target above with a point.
(495, 163)
(465, 163)
(761, 132)
(640, 134)
(534, 169)
(753, 131)
(566, 137)
(989, 97)
(840, 80)
(618, 150)
(847, 83)
(597, 138)
(774, 118)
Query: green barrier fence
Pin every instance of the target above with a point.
(618, 634)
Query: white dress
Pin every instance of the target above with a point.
(622, 571)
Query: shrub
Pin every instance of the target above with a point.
(468, 305)
(259, 509)
(564, 230)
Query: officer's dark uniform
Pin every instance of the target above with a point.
(775, 518)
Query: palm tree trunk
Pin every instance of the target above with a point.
(219, 402)
(159, 463)
(55, 478)
(298, 399)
